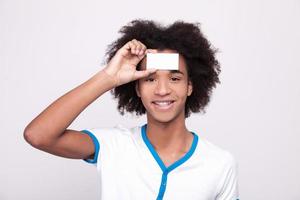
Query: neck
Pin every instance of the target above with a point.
(168, 136)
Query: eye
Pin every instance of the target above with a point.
(149, 79)
(175, 79)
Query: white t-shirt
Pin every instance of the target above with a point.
(130, 169)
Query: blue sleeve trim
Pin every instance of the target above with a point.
(96, 145)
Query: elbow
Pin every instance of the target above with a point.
(33, 138)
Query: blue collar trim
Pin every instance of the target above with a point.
(157, 158)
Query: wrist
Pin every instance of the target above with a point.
(109, 78)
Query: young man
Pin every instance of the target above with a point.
(161, 159)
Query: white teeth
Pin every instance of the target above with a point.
(163, 103)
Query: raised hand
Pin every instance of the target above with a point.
(122, 67)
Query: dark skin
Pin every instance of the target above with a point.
(166, 127)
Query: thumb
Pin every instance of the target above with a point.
(143, 73)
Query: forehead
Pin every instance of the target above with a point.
(182, 63)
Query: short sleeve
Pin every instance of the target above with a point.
(96, 146)
(107, 142)
(228, 188)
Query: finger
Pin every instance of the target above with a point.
(133, 47)
(130, 47)
(141, 56)
(126, 48)
(143, 48)
(151, 51)
(143, 73)
(138, 46)
(142, 52)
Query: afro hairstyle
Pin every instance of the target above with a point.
(187, 39)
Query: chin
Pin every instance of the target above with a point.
(163, 120)
(163, 117)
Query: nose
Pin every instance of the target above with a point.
(162, 88)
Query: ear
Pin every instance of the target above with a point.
(137, 90)
(190, 88)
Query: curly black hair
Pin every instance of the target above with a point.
(185, 38)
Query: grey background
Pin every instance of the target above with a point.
(49, 47)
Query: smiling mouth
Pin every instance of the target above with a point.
(163, 104)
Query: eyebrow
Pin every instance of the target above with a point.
(177, 71)
(171, 71)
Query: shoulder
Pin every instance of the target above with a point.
(215, 154)
(222, 165)
(116, 132)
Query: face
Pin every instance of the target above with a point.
(164, 93)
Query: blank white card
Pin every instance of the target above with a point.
(163, 61)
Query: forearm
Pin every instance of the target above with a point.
(54, 120)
